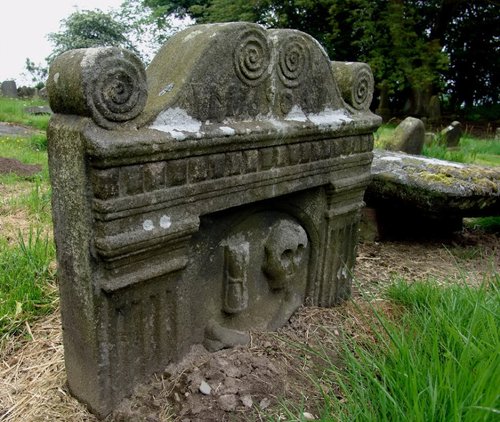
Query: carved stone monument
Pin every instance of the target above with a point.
(211, 194)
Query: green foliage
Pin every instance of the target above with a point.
(439, 361)
(411, 45)
(38, 72)
(488, 113)
(89, 28)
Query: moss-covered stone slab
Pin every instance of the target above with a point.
(434, 187)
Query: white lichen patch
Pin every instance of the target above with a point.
(279, 125)
(395, 159)
(176, 122)
(165, 222)
(89, 58)
(56, 77)
(148, 225)
(226, 130)
(296, 114)
(436, 161)
(329, 118)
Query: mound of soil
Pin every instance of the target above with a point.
(11, 165)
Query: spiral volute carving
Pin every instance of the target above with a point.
(252, 57)
(106, 84)
(356, 84)
(293, 61)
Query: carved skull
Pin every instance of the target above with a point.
(284, 250)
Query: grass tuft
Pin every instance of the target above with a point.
(439, 360)
(27, 279)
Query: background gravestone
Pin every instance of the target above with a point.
(452, 134)
(408, 137)
(9, 89)
(212, 194)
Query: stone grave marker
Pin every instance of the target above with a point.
(409, 136)
(211, 194)
(9, 89)
(452, 134)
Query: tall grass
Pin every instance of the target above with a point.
(471, 150)
(440, 361)
(26, 280)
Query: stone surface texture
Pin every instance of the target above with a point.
(408, 137)
(215, 201)
(419, 197)
(435, 187)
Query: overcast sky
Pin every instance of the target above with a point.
(24, 25)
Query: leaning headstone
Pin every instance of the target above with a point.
(451, 134)
(212, 194)
(408, 137)
(9, 89)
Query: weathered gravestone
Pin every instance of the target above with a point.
(408, 137)
(210, 195)
(452, 133)
(9, 89)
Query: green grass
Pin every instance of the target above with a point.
(31, 150)
(27, 274)
(12, 110)
(26, 280)
(487, 224)
(471, 150)
(437, 361)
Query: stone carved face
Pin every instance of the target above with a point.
(284, 251)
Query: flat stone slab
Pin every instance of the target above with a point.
(433, 186)
(9, 129)
(38, 110)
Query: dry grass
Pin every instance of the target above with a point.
(32, 377)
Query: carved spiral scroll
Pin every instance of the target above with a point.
(252, 57)
(294, 61)
(355, 81)
(106, 84)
